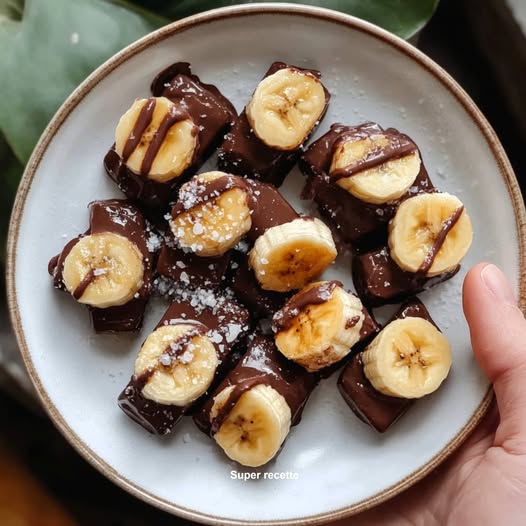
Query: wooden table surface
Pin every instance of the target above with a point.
(44, 482)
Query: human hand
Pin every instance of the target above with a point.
(484, 483)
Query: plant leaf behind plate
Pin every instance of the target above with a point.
(11, 171)
(47, 53)
(402, 17)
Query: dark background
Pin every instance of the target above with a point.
(472, 47)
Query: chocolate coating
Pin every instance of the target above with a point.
(263, 303)
(270, 209)
(359, 225)
(122, 218)
(263, 364)
(212, 114)
(226, 325)
(211, 111)
(243, 153)
(152, 195)
(372, 407)
(379, 280)
(191, 271)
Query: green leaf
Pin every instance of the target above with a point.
(10, 176)
(11, 9)
(402, 17)
(47, 53)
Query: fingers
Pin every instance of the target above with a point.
(498, 337)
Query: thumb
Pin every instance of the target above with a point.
(498, 337)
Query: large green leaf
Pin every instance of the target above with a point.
(11, 171)
(47, 53)
(402, 17)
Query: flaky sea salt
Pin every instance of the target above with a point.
(198, 229)
(165, 359)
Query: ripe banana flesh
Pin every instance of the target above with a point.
(103, 270)
(285, 107)
(157, 139)
(255, 428)
(210, 222)
(382, 183)
(409, 358)
(288, 256)
(180, 363)
(430, 234)
(318, 326)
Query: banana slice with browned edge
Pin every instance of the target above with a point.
(430, 234)
(288, 256)
(212, 213)
(318, 326)
(103, 270)
(156, 138)
(285, 107)
(382, 183)
(180, 363)
(409, 358)
(255, 428)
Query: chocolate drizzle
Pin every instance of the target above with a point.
(316, 295)
(174, 115)
(175, 349)
(143, 121)
(180, 345)
(198, 192)
(86, 281)
(350, 323)
(447, 226)
(233, 398)
(398, 146)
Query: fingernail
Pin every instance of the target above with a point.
(497, 284)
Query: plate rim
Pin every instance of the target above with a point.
(91, 82)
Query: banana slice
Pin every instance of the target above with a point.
(430, 234)
(318, 326)
(103, 270)
(288, 256)
(156, 138)
(380, 184)
(410, 358)
(285, 107)
(181, 361)
(255, 428)
(213, 224)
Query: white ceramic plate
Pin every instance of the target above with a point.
(339, 465)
